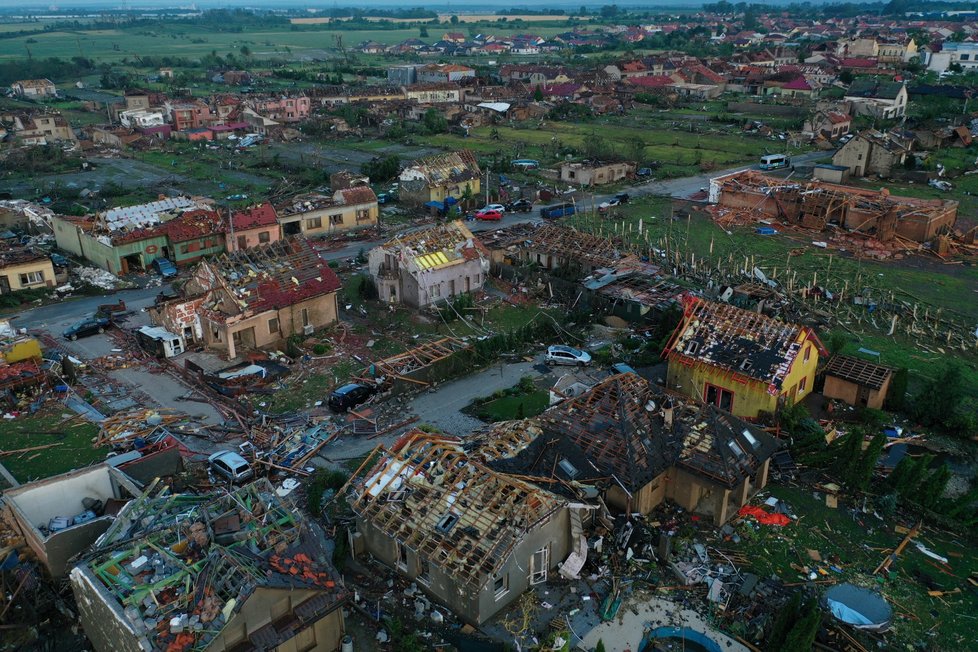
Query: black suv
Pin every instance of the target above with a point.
(520, 206)
(349, 396)
(622, 197)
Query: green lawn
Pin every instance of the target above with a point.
(508, 408)
(73, 449)
(860, 542)
(679, 152)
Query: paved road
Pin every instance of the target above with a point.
(56, 317)
(440, 407)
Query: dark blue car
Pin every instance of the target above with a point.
(86, 327)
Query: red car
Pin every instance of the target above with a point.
(489, 214)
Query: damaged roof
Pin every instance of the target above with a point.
(192, 225)
(440, 169)
(858, 371)
(744, 342)
(430, 496)
(624, 432)
(605, 435)
(201, 558)
(573, 245)
(254, 216)
(437, 246)
(273, 275)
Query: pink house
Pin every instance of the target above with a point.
(283, 109)
(253, 226)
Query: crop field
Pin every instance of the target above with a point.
(176, 40)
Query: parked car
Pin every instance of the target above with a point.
(87, 327)
(605, 205)
(644, 172)
(622, 197)
(559, 354)
(489, 214)
(58, 260)
(349, 396)
(383, 198)
(520, 206)
(165, 267)
(230, 465)
(494, 207)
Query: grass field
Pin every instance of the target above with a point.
(72, 448)
(177, 40)
(919, 279)
(860, 542)
(679, 153)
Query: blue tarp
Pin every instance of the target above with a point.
(859, 607)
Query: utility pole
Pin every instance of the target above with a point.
(487, 186)
(234, 242)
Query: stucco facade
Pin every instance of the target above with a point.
(120, 256)
(27, 274)
(748, 397)
(475, 605)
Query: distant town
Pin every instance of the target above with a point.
(613, 329)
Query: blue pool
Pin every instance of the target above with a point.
(678, 638)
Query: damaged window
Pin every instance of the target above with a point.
(447, 522)
(751, 439)
(500, 586)
(568, 468)
(692, 348)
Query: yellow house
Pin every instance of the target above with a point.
(315, 215)
(740, 361)
(442, 178)
(23, 269)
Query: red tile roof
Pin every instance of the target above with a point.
(358, 195)
(798, 84)
(254, 217)
(192, 225)
(652, 81)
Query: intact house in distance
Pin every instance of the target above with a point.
(741, 361)
(254, 298)
(430, 265)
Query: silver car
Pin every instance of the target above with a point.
(559, 354)
(231, 465)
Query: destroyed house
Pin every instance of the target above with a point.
(193, 235)
(443, 178)
(816, 205)
(472, 538)
(315, 214)
(234, 571)
(255, 298)
(61, 516)
(636, 447)
(741, 361)
(253, 226)
(552, 247)
(636, 295)
(123, 239)
(430, 265)
(23, 268)
(856, 381)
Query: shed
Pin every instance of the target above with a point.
(831, 173)
(856, 381)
